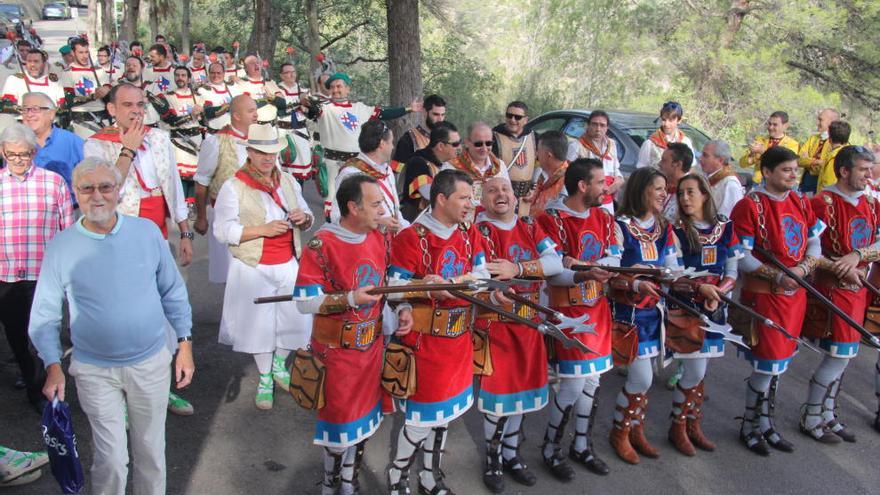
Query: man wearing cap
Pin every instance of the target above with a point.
(339, 125)
(220, 156)
(58, 67)
(259, 214)
(151, 186)
(32, 80)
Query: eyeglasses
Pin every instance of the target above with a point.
(25, 110)
(514, 116)
(25, 155)
(480, 144)
(454, 144)
(103, 188)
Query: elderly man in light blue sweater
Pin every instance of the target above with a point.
(121, 283)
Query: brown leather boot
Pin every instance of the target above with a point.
(620, 432)
(637, 432)
(678, 429)
(694, 430)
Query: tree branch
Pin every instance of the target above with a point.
(871, 101)
(350, 30)
(364, 59)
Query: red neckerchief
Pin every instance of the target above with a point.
(30, 81)
(464, 162)
(232, 131)
(659, 138)
(343, 104)
(818, 152)
(161, 69)
(252, 178)
(771, 142)
(588, 144)
(113, 135)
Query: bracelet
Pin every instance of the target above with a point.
(181, 340)
(128, 153)
(187, 235)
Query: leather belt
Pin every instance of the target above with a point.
(757, 285)
(521, 188)
(346, 334)
(583, 294)
(442, 322)
(339, 156)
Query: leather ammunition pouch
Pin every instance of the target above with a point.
(817, 320)
(757, 285)
(441, 322)
(307, 374)
(587, 293)
(344, 334)
(683, 332)
(624, 343)
(872, 320)
(399, 371)
(482, 354)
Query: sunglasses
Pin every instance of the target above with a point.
(480, 144)
(514, 116)
(454, 144)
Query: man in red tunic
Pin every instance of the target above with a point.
(517, 247)
(344, 261)
(586, 234)
(781, 220)
(849, 244)
(438, 247)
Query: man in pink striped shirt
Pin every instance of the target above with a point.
(35, 204)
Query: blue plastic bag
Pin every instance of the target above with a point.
(61, 444)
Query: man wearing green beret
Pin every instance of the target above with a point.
(339, 122)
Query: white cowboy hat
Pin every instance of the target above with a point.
(265, 138)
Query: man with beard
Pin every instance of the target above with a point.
(418, 137)
(32, 80)
(440, 246)
(517, 247)
(585, 234)
(849, 244)
(182, 111)
(118, 278)
(84, 88)
(595, 143)
(444, 145)
(341, 264)
(160, 74)
(517, 149)
(339, 122)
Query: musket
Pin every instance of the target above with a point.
(115, 46)
(660, 273)
(871, 339)
(709, 325)
(545, 328)
(871, 287)
(768, 322)
(24, 74)
(394, 289)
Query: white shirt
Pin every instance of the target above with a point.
(227, 224)
(209, 156)
(726, 193)
(390, 202)
(650, 153)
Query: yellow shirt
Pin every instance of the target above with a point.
(826, 175)
(810, 150)
(754, 159)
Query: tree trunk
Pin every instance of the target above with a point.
(107, 21)
(264, 33)
(154, 22)
(314, 41)
(404, 59)
(735, 15)
(186, 8)
(130, 20)
(93, 20)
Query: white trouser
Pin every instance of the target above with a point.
(103, 392)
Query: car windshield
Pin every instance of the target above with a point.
(56, 5)
(9, 8)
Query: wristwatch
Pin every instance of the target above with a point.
(187, 235)
(184, 339)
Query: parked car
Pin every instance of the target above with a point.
(12, 11)
(78, 3)
(628, 129)
(56, 10)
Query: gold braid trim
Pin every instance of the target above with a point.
(869, 254)
(768, 273)
(808, 264)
